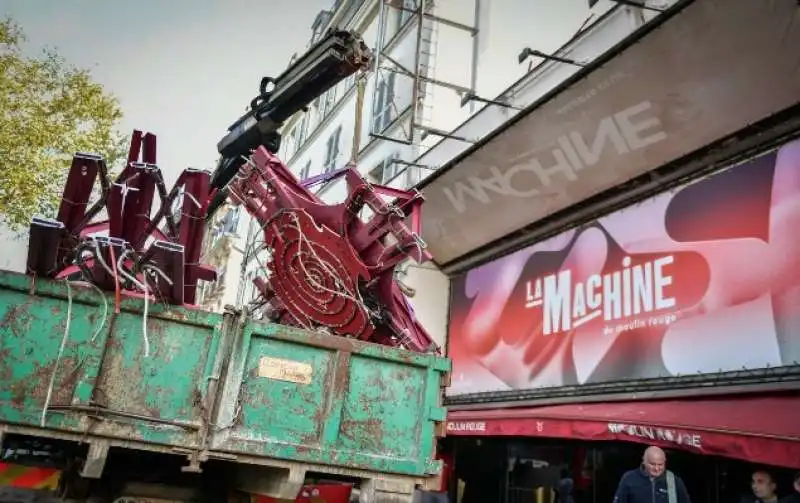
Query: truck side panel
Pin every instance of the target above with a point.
(298, 395)
(211, 385)
(102, 382)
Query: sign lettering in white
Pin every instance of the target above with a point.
(475, 426)
(631, 291)
(631, 129)
(677, 437)
(646, 107)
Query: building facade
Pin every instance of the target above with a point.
(646, 292)
(455, 61)
(225, 237)
(609, 220)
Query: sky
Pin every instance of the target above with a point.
(187, 69)
(182, 69)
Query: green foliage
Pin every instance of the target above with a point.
(48, 111)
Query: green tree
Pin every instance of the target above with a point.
(48, 111)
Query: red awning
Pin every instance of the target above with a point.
(760, 429)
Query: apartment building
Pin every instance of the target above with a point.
(222, 249)
(447, 73)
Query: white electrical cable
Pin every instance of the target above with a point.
(98, 254)
(144, 317)
(305, 243)
(57, 363)
(145, 312)
(155, 271)
(105, 306)
(122, 272)
(354, 296)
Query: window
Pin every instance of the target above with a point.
(318, 27)
(332, 150)
(384, 102)
(331, 97)
(302, 132)
(290, 146)
(386, 170)
(251, 293)
(405, 15)
(226, 225)
(306, 171)
(323, 106)
(316, 110)
(230, 221)
(398, 17)
(315, 36)
(327, 101)
(413, 175)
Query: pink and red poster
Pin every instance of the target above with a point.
(701, 279)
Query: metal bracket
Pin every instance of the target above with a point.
(95, 459)
(196, 458)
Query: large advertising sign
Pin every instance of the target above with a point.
(700, 279)
(708, 71)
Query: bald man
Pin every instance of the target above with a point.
(652, 482)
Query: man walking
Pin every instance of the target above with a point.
(652, 482)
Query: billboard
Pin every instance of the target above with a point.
(701, 279)
(690, 82)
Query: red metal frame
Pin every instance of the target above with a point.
(171, 255)
(329, 267)
(314, 493)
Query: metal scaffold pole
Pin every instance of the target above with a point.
(421, 14)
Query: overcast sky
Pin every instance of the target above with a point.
(183, 69)
(186, 69)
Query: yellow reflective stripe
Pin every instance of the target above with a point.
(50, 482)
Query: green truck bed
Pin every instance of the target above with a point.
(211, 385)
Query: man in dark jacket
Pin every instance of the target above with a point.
(763, 488)
(795, 496)
(652, 482)
(564, 488)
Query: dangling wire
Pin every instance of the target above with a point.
(117, 286)
(57, 363)
(144, 317)
(124, 273)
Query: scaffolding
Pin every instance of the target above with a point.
(419, 16)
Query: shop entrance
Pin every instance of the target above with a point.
(527, 470)
(613, 459)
